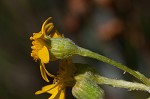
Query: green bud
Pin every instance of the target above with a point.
(63, 48)
(86, 87)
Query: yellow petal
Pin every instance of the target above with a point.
(56, 35)
(44, 24)
(49, 27)
(54, 92)
(47, 72)
(62, 94)
(39, 92)
(43, 73)
(45, 89)
(43, 54)
(49, 87)
(36, 36)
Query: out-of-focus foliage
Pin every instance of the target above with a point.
(118, 29)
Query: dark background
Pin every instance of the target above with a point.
(118, 29)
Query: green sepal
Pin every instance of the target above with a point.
(86, 87)
(63, 48)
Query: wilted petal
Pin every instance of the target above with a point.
(43, 73)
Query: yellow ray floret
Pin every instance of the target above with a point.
(44, 54)
(40, 47)
(57, 91)
(61, 81)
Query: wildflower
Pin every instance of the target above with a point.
(61, 81)
(47, 47)
(78, 76)
(41, 46)
(86, 87)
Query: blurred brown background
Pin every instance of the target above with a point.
(118, 29)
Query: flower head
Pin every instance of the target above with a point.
(61, 81)
(41, 45)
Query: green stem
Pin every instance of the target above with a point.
(121, 83)
(88, 53)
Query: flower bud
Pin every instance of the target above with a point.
(62, 48)
(86, 87)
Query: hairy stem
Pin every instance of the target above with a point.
(88, 53)
(121, 83)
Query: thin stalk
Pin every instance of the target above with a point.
(121, 83)
(88, 53)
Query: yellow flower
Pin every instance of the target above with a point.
(41, 46)
(57, 91)
(61, 81)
